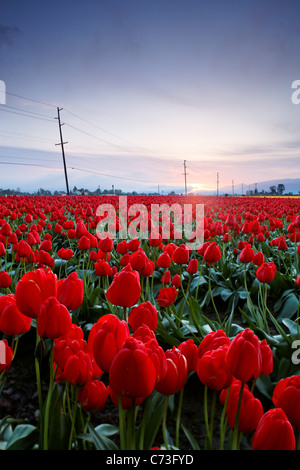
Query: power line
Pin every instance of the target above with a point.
(62, 149)
(26, 115)
(30, 99)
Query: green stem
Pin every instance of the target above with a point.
(179, 416)
(74, 412)
(235, 443)
(211, 296)
(122, 425)
(39, 390)
(48, 402)
(224, 420)
(164, 423)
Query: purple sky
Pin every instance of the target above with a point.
(145, 85)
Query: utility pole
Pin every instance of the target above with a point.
(233, 187)
(218, 184)
(185, 187)
(62, 149)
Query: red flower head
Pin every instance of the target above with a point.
(70, 291)
(213, 340)
(286, 395)
(106, 339)
(12, 321)
(125, 289)
(167, 296)
(213, 370)
(145, 313)
(265, 273)
(177, 371)
(93, 396)
(189, 349)
(53, 320)
(251, 409)
(132, 373)
(33, 289)
(5, 279)
(274, 432)
(244, 356)
(65, 253)
(181, 254)
(78, 369)
(247, 254)
(212, 253)
(164, 260)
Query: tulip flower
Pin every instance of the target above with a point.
(213, 370)
(125, 289)
(33, 289)
(286, 395)
(93, 396)
(53, 320)
(144, 313)
(12, 321)
(166, 296)
(212, 340)
(107, 339)
(212, 253)
(176, 376)
(244, 357)
(5, 279)
(274, 432)
(70, 291)
(265, 273)
(251, 409)
(132, 373)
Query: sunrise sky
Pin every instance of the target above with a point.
(144, 85)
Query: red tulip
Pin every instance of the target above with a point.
(12, 321)
(53, 320)
(106, 339)
(265, 273)
(176, 376)
(189, 349)
(70, 291)
(247, 254)
(144, 313)
(286, 395)
(213, 370)
(251, 409)
(78, 368)
(166, 296)
(192, 267)
(274, 432)
(212, 340)
(93, 396)
(125, 289)
(163, 261)
(132, 373)
(65, 253)
(33, 289)
(5, 279)
(244, 356)
(212, 253)
(181, 254)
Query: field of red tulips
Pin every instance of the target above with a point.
(134, 322)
